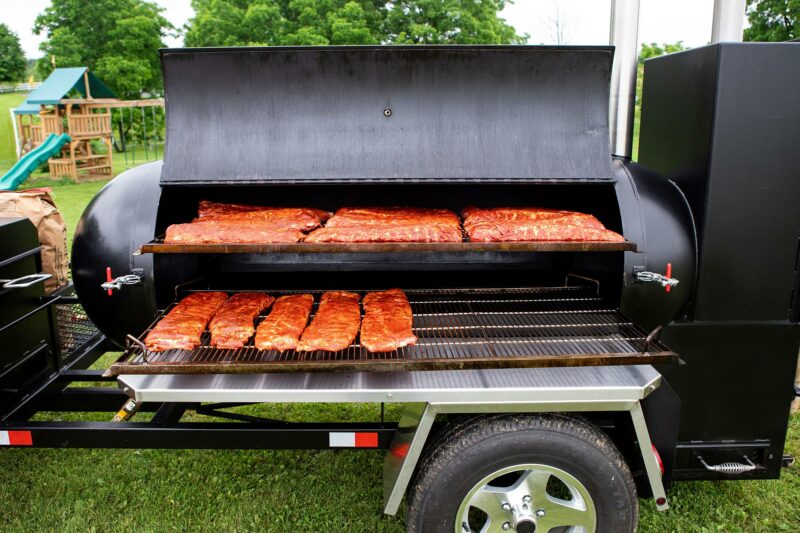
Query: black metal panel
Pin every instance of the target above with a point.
(27, 344)
(678, 120)
(736, 385)
(278, 115)
(120, 218)
(19, 239)
(724, 122)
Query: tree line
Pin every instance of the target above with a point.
(119, 39)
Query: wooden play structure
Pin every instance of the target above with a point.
(75, 102)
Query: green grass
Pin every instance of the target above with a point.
(244, 490)
(7, 148)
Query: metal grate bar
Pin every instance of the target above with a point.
(456, 328)
(74, 328)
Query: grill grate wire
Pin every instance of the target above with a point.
(456, 328)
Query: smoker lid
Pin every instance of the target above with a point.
(386, 114)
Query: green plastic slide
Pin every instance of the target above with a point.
(33, 160)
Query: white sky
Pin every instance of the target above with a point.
(584, 21)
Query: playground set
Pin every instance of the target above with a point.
(67, 122)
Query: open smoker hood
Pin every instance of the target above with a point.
(375, 114)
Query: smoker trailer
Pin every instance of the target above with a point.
(552, 382)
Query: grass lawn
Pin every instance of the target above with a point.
(7, 148)
(242, 490)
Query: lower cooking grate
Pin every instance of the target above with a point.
(457, 329)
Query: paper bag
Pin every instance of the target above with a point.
(37, 205)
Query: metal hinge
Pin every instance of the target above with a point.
(730, 468)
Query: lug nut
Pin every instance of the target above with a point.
(506, 526)
(506, 506)
(540, 513)
(526, 499)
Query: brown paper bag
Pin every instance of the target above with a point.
(38, 206)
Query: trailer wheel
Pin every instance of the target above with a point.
(530, 474)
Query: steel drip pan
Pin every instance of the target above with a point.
(457, 329)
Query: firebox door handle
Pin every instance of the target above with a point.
(731, 468)
(666, 280)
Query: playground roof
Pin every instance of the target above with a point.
(58, 85)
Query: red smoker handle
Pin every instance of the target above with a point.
(669, 275)
(109, 279)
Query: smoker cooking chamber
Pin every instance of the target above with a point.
(469, 126)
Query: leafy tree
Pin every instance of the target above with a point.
(323, 22)
(655, 50)
(117, 39)
(648, 51)
(442, 21)
(12, 60)
(773, 20)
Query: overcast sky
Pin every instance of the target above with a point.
(583, 21)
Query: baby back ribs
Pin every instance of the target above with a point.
(389, 233)
(295, 218)
(389, 224)
(182, 327)
(230, 231)
(395, 216)
(525, 224)
(335, 325)
(387, 321)
(539, 231)
(282, 328)
(232, 326)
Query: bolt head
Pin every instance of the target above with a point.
(506, 526)
(540, 513)
(526, 499)
(506, 506)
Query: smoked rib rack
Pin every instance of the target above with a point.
(457, 329)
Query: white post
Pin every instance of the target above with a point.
(16, 133)
(625, 38)
(728, 22)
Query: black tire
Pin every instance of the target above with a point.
(470, 450)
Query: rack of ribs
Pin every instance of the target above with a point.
(232, 326)
(527, 224)
(387, 321)
(182, 327)
(281, 330)
(389, 224)
(335, 324)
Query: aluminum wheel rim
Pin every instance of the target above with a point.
(525, 505)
